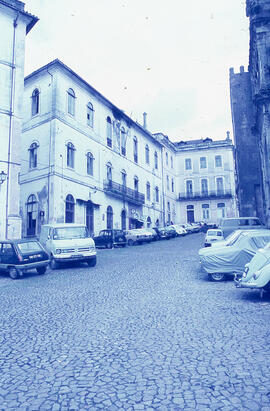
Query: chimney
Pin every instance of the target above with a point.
(145, 120)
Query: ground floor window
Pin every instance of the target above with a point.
(221, 210)
(32, 213)
(90, 218)
(70, 209)
(205, 211)
(124, 220)
(190, 213)
(109, 218)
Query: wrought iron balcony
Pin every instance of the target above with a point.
(125, 193)
(205, 195)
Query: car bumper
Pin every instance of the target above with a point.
(30, 266)
(74, 257)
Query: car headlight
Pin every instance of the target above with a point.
(257, 274)
(58, 251)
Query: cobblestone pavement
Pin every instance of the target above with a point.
(144, 329)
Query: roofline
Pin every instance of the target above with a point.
(129, 120)
(33, 18)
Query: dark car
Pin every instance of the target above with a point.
(162, 234)
(110, 238)
(19, 256)
(171, 231)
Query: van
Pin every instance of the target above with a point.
(228, 225)
(68, 242)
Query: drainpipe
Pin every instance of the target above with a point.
(11, 109)
(50, 149)
(163, 191)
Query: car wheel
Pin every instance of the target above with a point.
(53, 264)
(130, 242)
(110, 245)
(13, 273)
(41, 270)
(92, 262)
(216, 276)
(123, 245)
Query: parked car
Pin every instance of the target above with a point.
(133, 237)
(228, 225)
(180, 231)
(153, 232)
(196, 227)
(257, 272)
(161, 233)
(68, 242)
(110, 238)
(19, 256)
(229, 259)
(188, 227)
(213, 236)
(170, 231)
(146, 236)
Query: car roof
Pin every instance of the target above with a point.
(256, 233)
(19, 240)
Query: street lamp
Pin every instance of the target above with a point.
(3, 177)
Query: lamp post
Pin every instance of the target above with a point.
(3, 177)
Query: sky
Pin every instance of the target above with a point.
(169, 59)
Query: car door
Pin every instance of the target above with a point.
(8, 255)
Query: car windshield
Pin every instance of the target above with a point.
(231, 239)
(213, 233)
(29, 247)
(70, 232)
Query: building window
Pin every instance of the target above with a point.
(35, 102)
(218, 161)
(109, 172)
(205, 211)
(169, 212)
(70, 155)
(33, 155)
(148, 222)
(90, 115)
(123, 141)
(123, 220)
(32, 213)
(220, 186)
(188, 165)
(70, 208)
(109, 218)
(157, 194)
(167, 161)
(148, 188)
(71, 102)
(156, 160)
(147, 158)
(204, 187)
(172, 185)
(221, 212)
(202, 162)
(171, 161)
(136, 184)
(90, 164)
(135, 149)
(189, 188)
(168, 183)
(109, 132)
(124, 178)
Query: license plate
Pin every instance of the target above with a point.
(34, 256)
(76, 256)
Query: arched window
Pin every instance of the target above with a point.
(147, 158)
(124, 220)
(168, 183)
(70, 155)
(124, 178)
(148, 222)
(32, 214)
(70, 208)
(109, 132)
(148, 191)
(33, 155)
(71, 102)
(90, 114)
(156, 160)
(221, 210)
(204, 187)
(123, 141)
(157, 194)
(109, 218)
(35, 102)
(135, 149)
(90, 164)
(205, 210)
(109, 171)
(136, 184)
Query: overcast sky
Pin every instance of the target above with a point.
(170, 59)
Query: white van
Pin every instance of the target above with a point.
(68, 242)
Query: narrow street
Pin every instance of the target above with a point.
(144, 329)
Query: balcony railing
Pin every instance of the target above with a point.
(205, 195)
(125, 193)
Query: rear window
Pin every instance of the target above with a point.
(214, 233)
(254, 221)
(29, 247)
(260, 242)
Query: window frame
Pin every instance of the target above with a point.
(71, 98)
(70, 155)
(90, 164)
(190, 160)
(90, 114)
(35, 104)
(33, 155)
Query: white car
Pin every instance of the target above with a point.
(212, 236)
(181, 231)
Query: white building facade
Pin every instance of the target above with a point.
(86, 161)
(15, 23)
